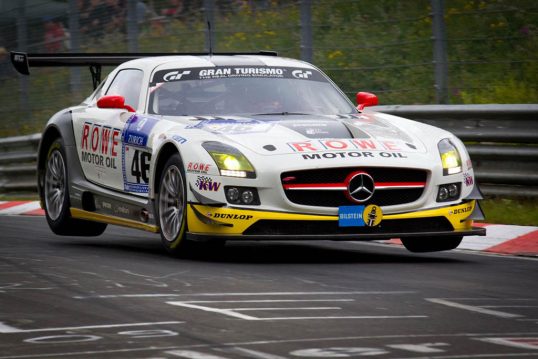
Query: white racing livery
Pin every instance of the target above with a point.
(208, 148)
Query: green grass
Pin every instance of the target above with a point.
(523, 212)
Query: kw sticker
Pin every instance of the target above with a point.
(204, 183)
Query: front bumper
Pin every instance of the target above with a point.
(230, 223)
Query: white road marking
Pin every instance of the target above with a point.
(234, 312)
(338, 352)
(96, 353)
(291, 308)
(269, 301)
(255, 354)
(6, 329)
(473, 308)
(351, 317)
(156, 295)
(227, 312)
(469, 356)
(509, 306)
(420, 348)
(190, 354)
(513, 342)
(68, 338)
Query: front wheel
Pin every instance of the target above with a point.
(435, 244)
(171, 205)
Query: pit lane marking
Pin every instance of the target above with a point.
(473, 308)
(283, 341)
(249, 353)
(7, 329)
(157, 295)
(235, 312)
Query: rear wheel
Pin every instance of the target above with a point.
(56, 197)
(435, 244)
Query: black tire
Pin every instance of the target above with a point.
(171, 206)
(56, 197)
(429, 244)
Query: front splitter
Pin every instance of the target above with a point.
(474, 231)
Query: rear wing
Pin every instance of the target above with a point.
(23, 61)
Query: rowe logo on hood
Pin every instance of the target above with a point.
(349, 144)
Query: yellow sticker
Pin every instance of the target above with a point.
(372, 215)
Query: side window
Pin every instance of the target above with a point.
(127, 83)
(96, 93)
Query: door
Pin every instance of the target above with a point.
(99, 136)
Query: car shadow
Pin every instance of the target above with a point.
(262, 252)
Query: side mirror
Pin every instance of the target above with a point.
(365, 99)
(114, 101)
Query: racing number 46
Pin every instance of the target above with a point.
(140, 166)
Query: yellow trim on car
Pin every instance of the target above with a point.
(226, 220)
(457, 215)
(98, 217)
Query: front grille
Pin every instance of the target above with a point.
(336, 198)
(415, 225)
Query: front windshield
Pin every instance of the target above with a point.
(244, 91)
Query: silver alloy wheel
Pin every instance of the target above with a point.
(171, 203)
(55, 185)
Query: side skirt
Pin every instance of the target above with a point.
(98, 217)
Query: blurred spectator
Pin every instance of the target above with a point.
(114, 18)
(174, 9)
(84, 15)
(54, 35)
(96, 18)
(143, 12)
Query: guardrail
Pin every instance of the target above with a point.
(501, 139)
(18, 157)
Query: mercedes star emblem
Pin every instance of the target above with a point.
(361, 187)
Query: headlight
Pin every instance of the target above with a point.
(230, 161)
(450, 157)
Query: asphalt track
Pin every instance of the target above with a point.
(121, 296)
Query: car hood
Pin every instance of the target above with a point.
(274, 135)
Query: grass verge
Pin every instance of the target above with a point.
(518, 211)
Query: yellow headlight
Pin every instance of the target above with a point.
(450, 157)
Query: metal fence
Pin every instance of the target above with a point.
(501, 139)
(407, 52)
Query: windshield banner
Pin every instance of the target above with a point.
(218, 72)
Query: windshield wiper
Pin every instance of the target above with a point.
(285, 113)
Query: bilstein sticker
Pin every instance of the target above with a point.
(359, 216)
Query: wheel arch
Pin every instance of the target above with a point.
(166, 150)
(60, 125)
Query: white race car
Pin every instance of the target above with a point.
(215, 147)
